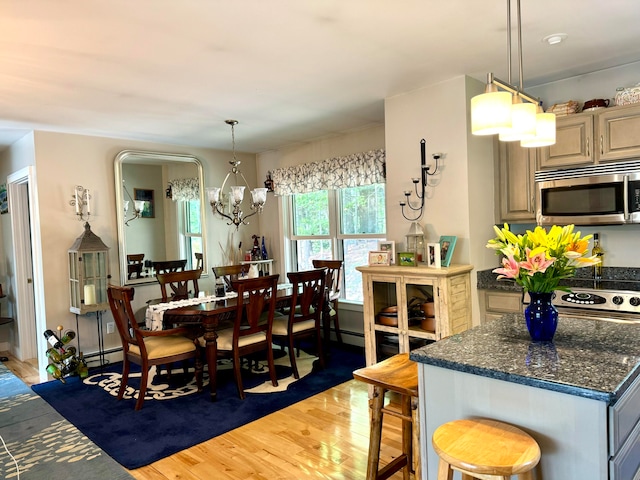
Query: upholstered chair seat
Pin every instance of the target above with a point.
(158, 347)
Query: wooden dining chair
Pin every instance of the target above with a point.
(182, 284)
(304, 312)
(144, 347)
(199, 261)
(252, 327)
(167, 266)
(134, 265)
(332, 283)
(231, 273)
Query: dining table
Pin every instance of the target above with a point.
(207, 315)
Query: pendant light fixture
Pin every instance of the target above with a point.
(236, 192)
(512, 114)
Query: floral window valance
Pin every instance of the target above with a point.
(185, 189)
(365, 168)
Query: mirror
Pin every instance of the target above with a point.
(159, 199)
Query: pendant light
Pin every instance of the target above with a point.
(512, 114)
(236, 192)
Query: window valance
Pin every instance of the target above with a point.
(185, 189)
(365, 168)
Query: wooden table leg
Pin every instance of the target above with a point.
(210, 337)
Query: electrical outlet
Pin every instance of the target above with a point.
(111, 327)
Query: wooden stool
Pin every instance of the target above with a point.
(396, 374)
(484, 449)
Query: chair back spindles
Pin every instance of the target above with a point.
(181, 284)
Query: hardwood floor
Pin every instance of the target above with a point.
(325, 436)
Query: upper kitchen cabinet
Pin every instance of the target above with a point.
(574, 143)
(619, 130)
(604, 135)
(516, 166)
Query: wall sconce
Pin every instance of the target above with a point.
(424, 170)
(258, 195)
(81, 201)
(138, 206)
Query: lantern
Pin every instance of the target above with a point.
(416, 243)
(88, 273)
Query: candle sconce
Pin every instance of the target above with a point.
(424, 172)
(81, 201)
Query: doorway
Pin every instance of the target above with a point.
(28, 280)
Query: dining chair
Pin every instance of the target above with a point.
(231, 273)
(199, 261)
(144, 347)
(167, 266)
(303, 319)
(179, 283)
(252, 327)
(333, 281)
(134, 264)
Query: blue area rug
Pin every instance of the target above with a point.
(174, 417)
(43, 444)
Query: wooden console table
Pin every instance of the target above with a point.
(385, 286)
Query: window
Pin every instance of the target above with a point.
(345, 223)
(190, 231)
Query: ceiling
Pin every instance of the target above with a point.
(288, 70)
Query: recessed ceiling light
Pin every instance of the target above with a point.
(555, 38)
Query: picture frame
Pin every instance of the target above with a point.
(379, 257)
(433, 255)
(407, 259)
(146, 196)
(388, 246)
(447, 246)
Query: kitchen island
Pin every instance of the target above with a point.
(578, 396)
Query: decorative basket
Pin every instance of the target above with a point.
(629, 95)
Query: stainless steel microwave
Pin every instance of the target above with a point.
(606, 194)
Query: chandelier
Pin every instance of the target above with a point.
(512, 114)
(138, 206)
(236, 192)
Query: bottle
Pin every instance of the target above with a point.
(53, 339)
(70, 335)
(598, 252)
(264, 251)
(53, 355)
(55, 372)
(83, 370)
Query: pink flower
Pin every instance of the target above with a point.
(510, 269)
(536, 263)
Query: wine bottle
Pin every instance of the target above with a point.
(53, 355)
(597, 251)
(53, 339)
(264, 251)
(70, 335)
(55, 372)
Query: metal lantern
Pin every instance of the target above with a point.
(88, 273)
(416, 243)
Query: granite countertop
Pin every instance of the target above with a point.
(595, 359)
(614, 278)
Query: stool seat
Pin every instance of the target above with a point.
(484, 448)
(397, 374)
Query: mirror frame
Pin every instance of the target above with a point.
(150, 158)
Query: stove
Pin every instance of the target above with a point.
(607, 299)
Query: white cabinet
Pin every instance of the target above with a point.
(386, 286)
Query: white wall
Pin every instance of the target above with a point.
(65, 160)
(460, 196)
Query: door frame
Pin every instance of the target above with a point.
(27, 244)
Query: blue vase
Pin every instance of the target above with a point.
(541, 317)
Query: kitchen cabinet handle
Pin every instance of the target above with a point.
(588, 151)
(601, 145)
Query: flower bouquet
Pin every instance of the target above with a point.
(538, 261)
